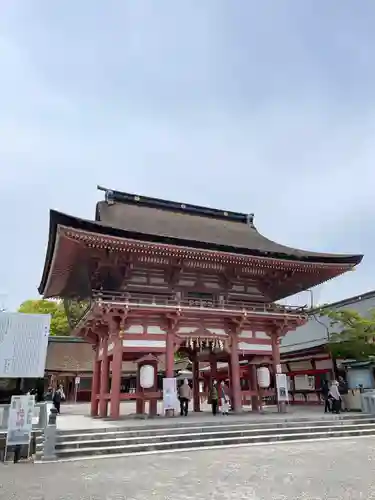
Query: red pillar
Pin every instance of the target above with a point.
(104, 379)
(196, 396)
(139, 403)
(275, 339)
(95, 385)
(230, 376)
(236, 376)
(169, 361)
(116, 378)
(213, 367)
(169, 355)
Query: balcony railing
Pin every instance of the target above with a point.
(166, 300)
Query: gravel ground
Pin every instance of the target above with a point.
(321, 470)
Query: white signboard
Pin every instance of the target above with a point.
(23, 344)
(20, 421)
(282, 387)
(77, 380)
(170, 399)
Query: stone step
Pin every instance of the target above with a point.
(145, 440)
(150, 434)
(212, 442)
(191, 436)
(173, 424)
(106, 434)
(222, 426)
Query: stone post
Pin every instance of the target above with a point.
(49, 448)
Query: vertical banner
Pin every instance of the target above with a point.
(20, 421)
(170, 398)
(282, 387)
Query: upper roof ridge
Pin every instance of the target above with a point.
(112, 196)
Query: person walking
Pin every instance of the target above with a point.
(334, 394)
(185, 397)
(344, 393)
(58, 396)
(224, 398)
(214, 397)
(48, 396)
(325, 394)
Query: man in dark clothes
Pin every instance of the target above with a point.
(325, 394)
(344, 392)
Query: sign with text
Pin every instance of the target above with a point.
(170, 398)
(20, 421)
(282, 387)
(23, 344)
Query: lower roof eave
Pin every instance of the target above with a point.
(99, 230)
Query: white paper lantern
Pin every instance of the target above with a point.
(263, 377)
(147, 376)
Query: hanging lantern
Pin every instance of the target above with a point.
(147, 376)
(263, 377)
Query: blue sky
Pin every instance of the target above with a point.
(264, 107)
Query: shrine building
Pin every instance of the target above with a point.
(150, 278)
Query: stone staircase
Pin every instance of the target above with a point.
(168, 437)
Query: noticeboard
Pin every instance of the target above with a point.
(23, 344)
(170, 398)
(20, 421)
(282, 387)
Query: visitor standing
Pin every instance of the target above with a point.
(185, 397)
(224, 398)
(334, 394)
(325, 394)
(214, 397)
(58, 397)
(344, 393)
(48, 396)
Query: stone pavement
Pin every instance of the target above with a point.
(76, 416)
(342, 469)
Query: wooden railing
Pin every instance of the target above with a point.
(165, 299)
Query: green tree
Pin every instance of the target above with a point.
(351, 335)
(59, 320)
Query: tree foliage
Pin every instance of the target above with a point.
(351, 335)
(59, 320)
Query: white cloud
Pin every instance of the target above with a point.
(244, 108)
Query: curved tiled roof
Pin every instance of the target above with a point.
(153, 220)
(165, 219)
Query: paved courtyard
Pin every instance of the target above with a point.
(322, 470)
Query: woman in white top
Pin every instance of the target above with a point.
(334, 394)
